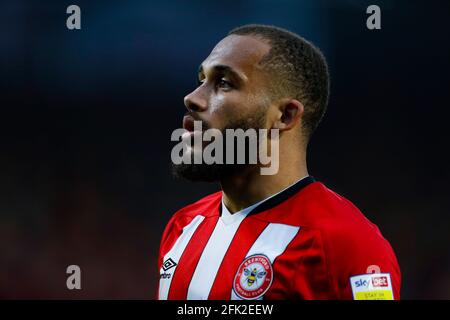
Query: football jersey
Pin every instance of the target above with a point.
(305, 242)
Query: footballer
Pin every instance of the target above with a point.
(279, 236)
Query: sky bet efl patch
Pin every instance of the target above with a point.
(372, 286)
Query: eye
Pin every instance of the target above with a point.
(200, 82)
(224, 84)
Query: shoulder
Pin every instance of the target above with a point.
(206, 207)
(318, 207)
(352, 244)
(341, 224)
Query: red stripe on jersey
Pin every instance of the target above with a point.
(245, 236)
(301, 271)
(189, 259)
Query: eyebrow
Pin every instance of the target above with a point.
(226, 70)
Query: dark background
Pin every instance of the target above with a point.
(86, 118)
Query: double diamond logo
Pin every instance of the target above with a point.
(168, 264)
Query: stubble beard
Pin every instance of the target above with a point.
(216, 171)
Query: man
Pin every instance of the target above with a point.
(278, 236)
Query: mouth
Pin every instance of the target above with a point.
(188, 123)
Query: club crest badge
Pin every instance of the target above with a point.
(253, 278)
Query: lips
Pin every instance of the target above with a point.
(188, 123)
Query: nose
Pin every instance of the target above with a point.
(195, 101)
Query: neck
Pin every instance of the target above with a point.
(246, 188)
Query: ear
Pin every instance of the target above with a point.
(291, 111)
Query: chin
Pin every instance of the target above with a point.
(206, 172)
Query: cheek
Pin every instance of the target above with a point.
(217, 104)
(225, 107)
(232, 107)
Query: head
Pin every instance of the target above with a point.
(259, 77)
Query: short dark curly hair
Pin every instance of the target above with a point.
(298, 69)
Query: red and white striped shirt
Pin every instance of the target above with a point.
(305, 242)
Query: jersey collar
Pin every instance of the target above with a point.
(267, 203)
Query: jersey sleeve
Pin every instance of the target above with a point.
(170, 235)
(362, 264)
(168, 238)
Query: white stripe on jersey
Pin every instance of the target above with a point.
(212, 256)
(271, 242)
(176, 252)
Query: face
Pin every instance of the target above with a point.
(230, 83)
(231, 94)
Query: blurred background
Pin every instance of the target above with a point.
(86, 118)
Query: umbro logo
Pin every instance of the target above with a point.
(168, 264)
